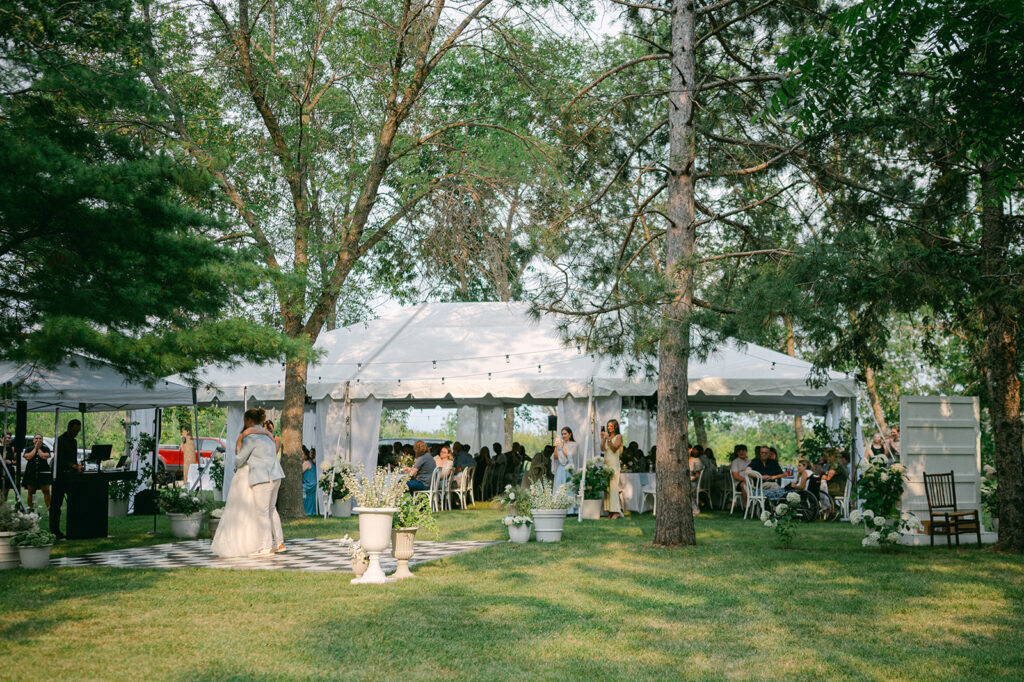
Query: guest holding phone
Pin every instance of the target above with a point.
(37, 471)
(611, 446)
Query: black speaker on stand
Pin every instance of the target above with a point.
(552, 426)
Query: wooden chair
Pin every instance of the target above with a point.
(943, 512)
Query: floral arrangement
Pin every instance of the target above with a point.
(598, 479)
(383, 489)
(511, 520)
(543, 496)
(783, 518)
(14, 521)
(881, 486)
(516, 498)
(884, 532)
(355, 550)
(179, 501)
(332, 480)
(414, 512)
(217, 470)
(990, 492)
(33, 538)
(121, 490)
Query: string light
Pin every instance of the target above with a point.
(434, 362)
(507, 360)
(488, 376)
(538, 369)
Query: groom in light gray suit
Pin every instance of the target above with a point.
(265, 476)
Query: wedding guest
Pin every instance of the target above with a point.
(769, 469)
(269, 426)
(893, 443)
(308, 482)
(498, 457)
(422, 467)
(803, 475)
(709, 457)
(67, 464)
(876, 448)
(444, 458)
(483, 460)
(611, 446)
(563, 455)
(737, 466)
(837, 475)
(37, 474)
(463, 460)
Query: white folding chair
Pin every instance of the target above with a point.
(464, 486)
(755, 491)
(446, 488)
(844, 501)
(433, 492)
(737, 494)
(651, 492)
(704, 487)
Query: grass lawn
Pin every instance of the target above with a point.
(603, 604)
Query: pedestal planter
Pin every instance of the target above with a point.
(213, 523)
(548, 524)
(186, 525)
(520, 533)
(117, 508)
(402, 550)
(218, 494)
(591, 509)
(341, 508)
(8, 555)
(374, 535)
(35, 557)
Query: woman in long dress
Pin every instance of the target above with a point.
(309, 483)
(611, 446)
(565, 453)
(238, 533)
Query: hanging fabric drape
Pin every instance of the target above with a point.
(234, 428)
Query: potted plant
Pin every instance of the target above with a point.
(217, 474)
(214, 520)
(118, 493)
(548, 509)
(332, 485)
(378, 497)
(13, 522)
(184, 510)
(595, 487)
(413, 514)
(517, 519)
(360, 560)
(34, 547)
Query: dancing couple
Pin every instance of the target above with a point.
(251, 526)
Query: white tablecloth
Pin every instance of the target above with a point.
(193, 474)
(632, 486)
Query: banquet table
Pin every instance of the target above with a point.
(632, 486)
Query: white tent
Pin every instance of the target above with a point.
(483, 357)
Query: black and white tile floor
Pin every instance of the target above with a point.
(304, 554)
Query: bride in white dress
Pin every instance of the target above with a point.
(238, 533)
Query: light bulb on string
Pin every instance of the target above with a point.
(488, 376)
(507, 360)
(434, 362)
(538, 369)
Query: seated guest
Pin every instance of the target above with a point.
(737, 466)
(422, 468)
(837, 475)
(769, 469)
(498, 458)
(709, 457)
(463, 460)
(444, 459)
(803, 475)
(483, 460)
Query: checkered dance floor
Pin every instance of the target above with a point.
(304, 554)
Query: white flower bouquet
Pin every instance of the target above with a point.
(383, 490)
(783, 518)
(511, 520)
(543, 496)
(881, 531)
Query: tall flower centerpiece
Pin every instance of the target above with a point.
(378, 498)
(548, 508)
(414, 514)
(595, 487)
(882, 531)
(332, 485)
(517, 519)
(217, 475)
(783, 518)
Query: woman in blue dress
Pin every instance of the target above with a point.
(565, 454)
(308, 483)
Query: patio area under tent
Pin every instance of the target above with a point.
(481, 358)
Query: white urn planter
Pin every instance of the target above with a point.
(548, 524)
(117, 508)
(374, 536)
(341, 508)
(35, 557)
(213, 523)
(520, 533)
(218, 494)
(186, 525)
(591, 509)
(8, 555)
(402, 550)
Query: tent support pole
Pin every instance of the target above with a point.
(158, 422)
(589, 442)
(195, 442)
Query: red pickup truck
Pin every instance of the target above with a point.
(171, 455)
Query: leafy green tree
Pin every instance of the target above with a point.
(103, 251)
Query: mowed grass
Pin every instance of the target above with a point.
(603, 604)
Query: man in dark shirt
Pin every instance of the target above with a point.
(769, 469)
(67, 462)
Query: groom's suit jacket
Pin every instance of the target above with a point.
(261, 454)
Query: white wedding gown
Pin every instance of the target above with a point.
(238, 533)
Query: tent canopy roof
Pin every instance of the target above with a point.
(84, 381)
(497, 353)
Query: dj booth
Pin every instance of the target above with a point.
(87, 502)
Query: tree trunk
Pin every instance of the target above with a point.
(289, 499)
(876, 402)
(510, 425)
(674, 523)
(1001, 360)
(702, 433)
